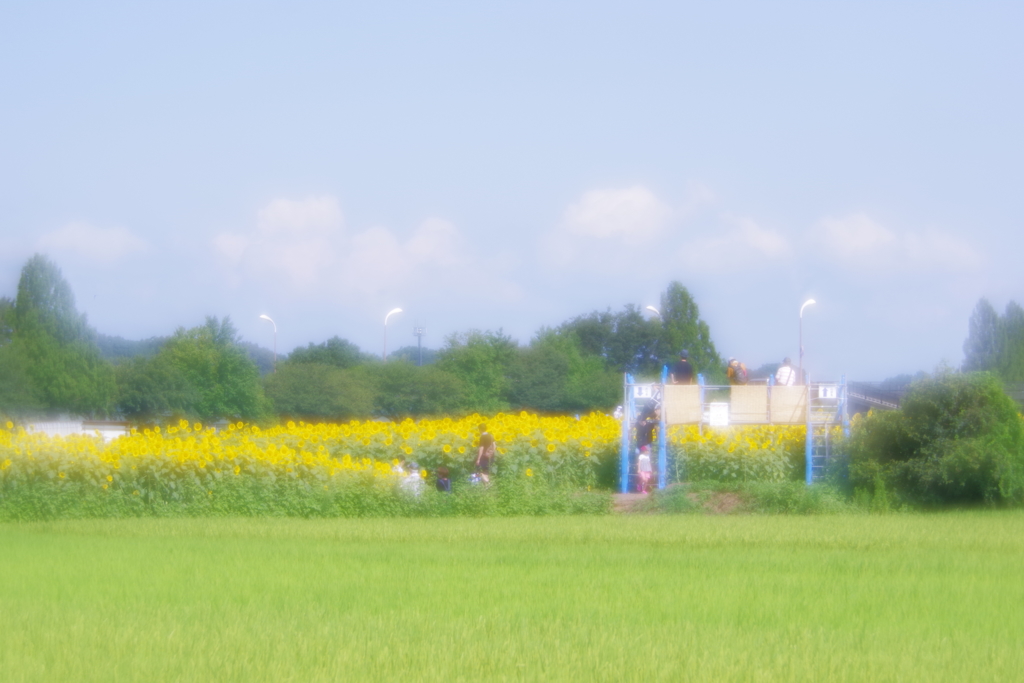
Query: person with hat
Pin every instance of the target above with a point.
(736, 372)
(682, 371)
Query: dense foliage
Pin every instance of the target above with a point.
(53, 364)
(48, 355)
(958, 438)
(995, 343)
(631, 341)
(198, 373)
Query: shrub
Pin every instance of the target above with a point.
(957, 439)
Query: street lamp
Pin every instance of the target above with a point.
(654, 310)
(384, 356)
(807, 303)
(267, 317)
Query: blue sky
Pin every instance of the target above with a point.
(486, 165)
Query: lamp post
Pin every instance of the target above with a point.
(384, 356)
(267, 317)
(800, 372)
(653, 310)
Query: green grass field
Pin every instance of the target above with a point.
(748, 598)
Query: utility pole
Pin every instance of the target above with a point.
(419, 332)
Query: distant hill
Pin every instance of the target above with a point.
(116, 349)
(411, 354)
(263, 358)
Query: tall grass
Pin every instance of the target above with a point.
(838, 598)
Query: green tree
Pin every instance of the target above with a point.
(636, 345)
(480, 360)
(404, 390)
(1010, 363)
(627, 341)
(412, 355)
(553, 375)
(319, 391)
(117, 349)
(18, 393)
(153, 388)
(981, 349)
(956, 438)
(55, 345)
(996, 343)
(336, 351)
(630, 341)
(220, 378)
(6, 320)
(682, 328)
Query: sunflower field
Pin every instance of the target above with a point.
(769, 453)
(354, 468)
(543, 464)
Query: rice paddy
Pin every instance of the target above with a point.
(907, 597)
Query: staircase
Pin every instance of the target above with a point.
(826, 410)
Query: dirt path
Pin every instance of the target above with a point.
(625, 502)
(710, 503)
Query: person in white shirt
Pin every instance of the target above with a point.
(785, 376)
(643, 467)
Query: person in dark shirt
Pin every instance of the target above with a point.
(682, 371)
(645, 426)
(444, 484)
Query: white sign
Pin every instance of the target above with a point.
(647, 392)
(827, 391)
(643, 391)
(718, 414)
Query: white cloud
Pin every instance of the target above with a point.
(857, 240)
(294, 239)
(740, 241)
(231, 247)
(435, 243)
(854, 237)
(378, 260)
(103, 245)
(625, 227)
(632, 214)
(312, 216)
(306, 244)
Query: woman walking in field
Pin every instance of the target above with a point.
(485, 454)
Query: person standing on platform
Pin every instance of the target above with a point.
(785, 376)
(682, 371)
(737, 372)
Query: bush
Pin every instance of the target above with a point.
(354, 496)
(780, 497)
(957, 439)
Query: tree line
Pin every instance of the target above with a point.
(995, 343)
(52, 362)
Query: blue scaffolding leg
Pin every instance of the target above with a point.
(662, 434)
(627, 423)
(809, 447)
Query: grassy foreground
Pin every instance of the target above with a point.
(631, 598)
